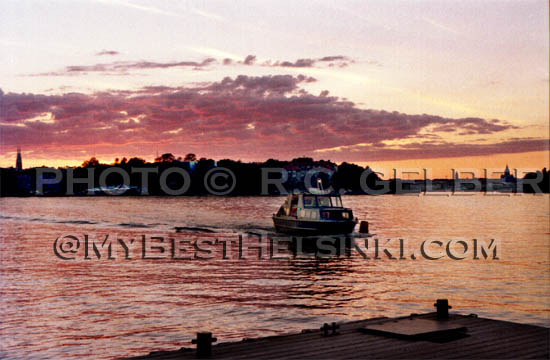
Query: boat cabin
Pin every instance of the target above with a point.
(315, 207)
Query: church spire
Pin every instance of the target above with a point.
(19, 160)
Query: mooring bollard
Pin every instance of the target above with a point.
(326, 327)
(442, 306)
(204, 342)
(364, 227)
(334, 328)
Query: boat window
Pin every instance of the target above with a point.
(336, 201)
(323, 201)
(309, 201)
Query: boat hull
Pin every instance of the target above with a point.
(290, 225)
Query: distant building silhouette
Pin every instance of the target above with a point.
(507, 177)
(19, 160)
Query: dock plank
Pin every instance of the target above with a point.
(486, 338)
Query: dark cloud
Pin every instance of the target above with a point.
(249, 60)
(242, 117)
(297, 63)
(334, 58)
(337, 60)
(471, 126)
(125, 67)
(261, 85)
(122, 67)
(107, 52)
(436, 149)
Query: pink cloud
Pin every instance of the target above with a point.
(107, 52)
(242, 117)
(124, 67)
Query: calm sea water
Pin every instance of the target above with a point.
(54, 308)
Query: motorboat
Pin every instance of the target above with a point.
(311, 213)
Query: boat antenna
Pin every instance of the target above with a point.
(320, 184)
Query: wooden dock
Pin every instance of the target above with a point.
(475, 338)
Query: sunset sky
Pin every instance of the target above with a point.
(388, 83)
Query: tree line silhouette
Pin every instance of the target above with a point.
(248, 177)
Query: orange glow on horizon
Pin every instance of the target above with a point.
(442, 167)
(439, 167)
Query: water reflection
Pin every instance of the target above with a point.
(107, 308)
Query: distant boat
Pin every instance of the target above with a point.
(115, 190)
(314, 213)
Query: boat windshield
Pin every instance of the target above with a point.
(336, 201)
(311, 201)
(323, 201)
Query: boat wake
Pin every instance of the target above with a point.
(194, 229)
